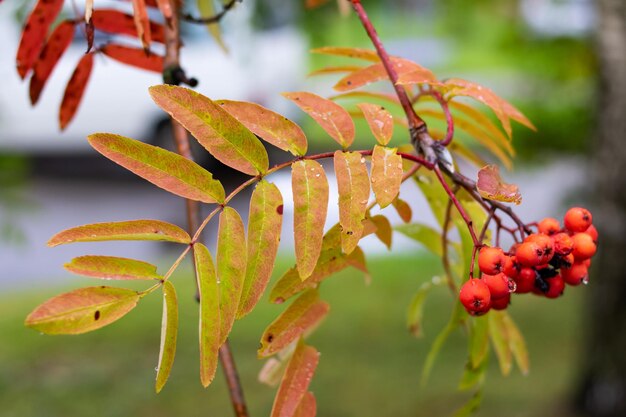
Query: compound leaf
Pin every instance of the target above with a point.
(221, 134)
(231, 267)
(125, 230)
(169, 333)
(209, 313)
(354, 191)
(112, 267)
(82, 310)
(268, 125)
(333, 118)
(264, 227)
(310, 195)
(165, 169)
(306, 312)
(386, 174)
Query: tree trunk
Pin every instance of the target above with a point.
(603, 389)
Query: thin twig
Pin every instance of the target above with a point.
(444, 246)
(187, 17)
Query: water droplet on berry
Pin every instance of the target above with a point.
(585, 280)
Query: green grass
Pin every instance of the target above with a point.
(370, 365)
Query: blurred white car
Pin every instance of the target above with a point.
(259, 66)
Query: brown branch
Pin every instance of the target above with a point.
(187, 17)
(181, 139)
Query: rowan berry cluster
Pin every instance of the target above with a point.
(542, 264)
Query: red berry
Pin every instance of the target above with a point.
(491, 260)
(562, 243)
(498, 285)
(583, 247)
(501, 303)
(525, 280)
(576, 274)
(593, 232)
(511, 267)
(529, 254)
(549, 226)
(556, 286)
(567, 261)
(577, 219)
(545, 243)
(475, 297)
(586, 262)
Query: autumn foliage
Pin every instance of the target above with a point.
(238, 134)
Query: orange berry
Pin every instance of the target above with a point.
(529, 254)
(556, 286)
(501, 303)
(577, 219)
(511, 267)
(593, 232)
(525, 280)
(498, 285)
(576, 274)
(545, 243)
(549, 226)
(475, 297)
(491, 260)
(562, 243)
(583, 247)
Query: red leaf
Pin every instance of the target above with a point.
(57, 44)
(114, 21)
(74, 90)
(491, 186)
(296, 380)
(142, 22)
(333, 118)
(307, 406)
(34, 34)
(134, 56)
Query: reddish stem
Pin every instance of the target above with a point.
(449, 120)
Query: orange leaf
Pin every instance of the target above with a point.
(403, 209)
(296, 380)
(377, 72)
(354, 191)
(112, 267)
(391, 98)
(169, 335)
(386, 174)
(307, 406)
(165, 6)
(221, 134)
(379, 120)
(165, 169)
(57, 44)
(333, 118)
(306, 312)
(384, 231)
(268, 125)
(264, 225)
(74, 90)
(310, 198)
(358, 53)
(491, 186)
(134, 56)
(82, 310)
(34, 34)
(142, 22)
(126, 230)
(114, 21)
(334, 70)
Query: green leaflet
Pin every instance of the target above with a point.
(296, 380)
(220, 133)
(169, 331)
(82, 310)
(264, 227)
(112, 267)
(231, 267)
(517, 343)
(163, 168)
(479, 340)
(310, 198)
(302, 315)
(427, 236)
(269, 126)
(386, 174)
(354, 190)
(209, 313)
(126, 230)
(207, 8)
(498, 332)
(415, 311)
(470, 406)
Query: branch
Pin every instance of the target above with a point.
(181, 138)
(187, 17)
